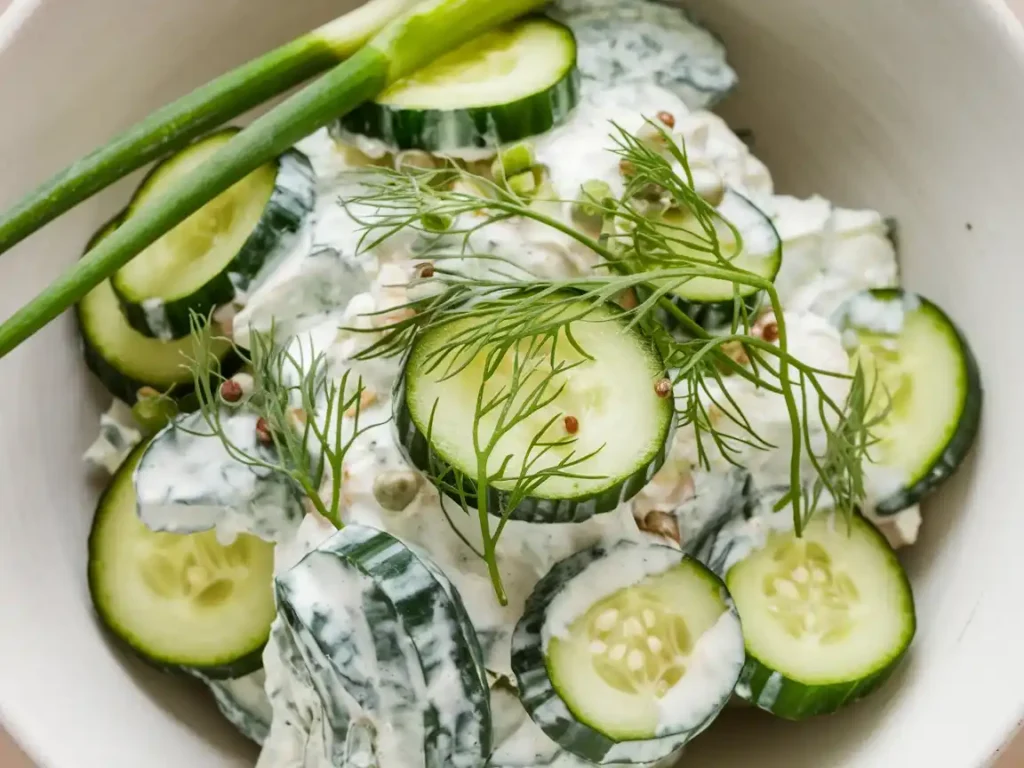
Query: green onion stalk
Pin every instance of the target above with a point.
(402, 46)
(172, 127)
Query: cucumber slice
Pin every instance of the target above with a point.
(611, 395)
(206, 260)
(624, 42)
(826, 617)
(187, 481)
(504, 86)
(929, 380)
(179, 601)
(625, 653)
(244, 704)
(383, 639)
(125, 360)
(713, 302)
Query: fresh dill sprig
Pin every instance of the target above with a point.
(651, 259)
(301, 409)
(522, 379)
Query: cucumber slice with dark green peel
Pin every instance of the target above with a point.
(126, 360)
(714, 302)
(623, 429)
(928, 378)
(210, 257)
(826, 617)
(385, 641)
(179, 601)
(626, 652)
(504, 86)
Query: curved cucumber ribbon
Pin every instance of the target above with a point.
(404, 45)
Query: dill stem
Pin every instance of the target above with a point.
(489, 545)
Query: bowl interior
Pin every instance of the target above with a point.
(914, 111)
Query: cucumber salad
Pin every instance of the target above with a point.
(513, 419)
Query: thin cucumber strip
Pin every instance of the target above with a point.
(619, 434)
(210, 258)
(125, 360)
(383, 639)
(713, 302)
(826, 617)
(626, 652)
(179, 601)
(928, 379)
(504, 86)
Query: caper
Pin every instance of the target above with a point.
(394, 490)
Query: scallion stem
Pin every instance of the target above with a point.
(172, 127)
(430, 29)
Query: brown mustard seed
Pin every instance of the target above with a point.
(263, 432)
(572, 425)
(667, 118)
(770, 332)
(626, 168)
(426, 270)
(661, 524)
(231, 391)
(663, 388)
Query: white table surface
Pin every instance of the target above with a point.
(12, 757)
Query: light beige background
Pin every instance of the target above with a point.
(11, 756)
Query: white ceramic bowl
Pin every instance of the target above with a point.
(914, 107)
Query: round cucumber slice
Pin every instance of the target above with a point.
(621, 429)
(179, 601)
(826, 617)
(504, 86)
(712, 302)
(928, 379)
(212, 255)
(625, 653)
(125, 360)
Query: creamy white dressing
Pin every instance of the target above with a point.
(155, 312)
(119, 434)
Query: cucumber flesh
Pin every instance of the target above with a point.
(179, 601)
(928, 380)
(504, 86)
(619, 417)
(826, 617)
(209, 258)
(626, 653)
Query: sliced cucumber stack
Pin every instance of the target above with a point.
(826, 617)
(625, 653)
(126, 360)
(713, 302)
(928, 379)
(620, 430)
(506, 85)
(179, 601)
(385, 640)
(214, 254)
